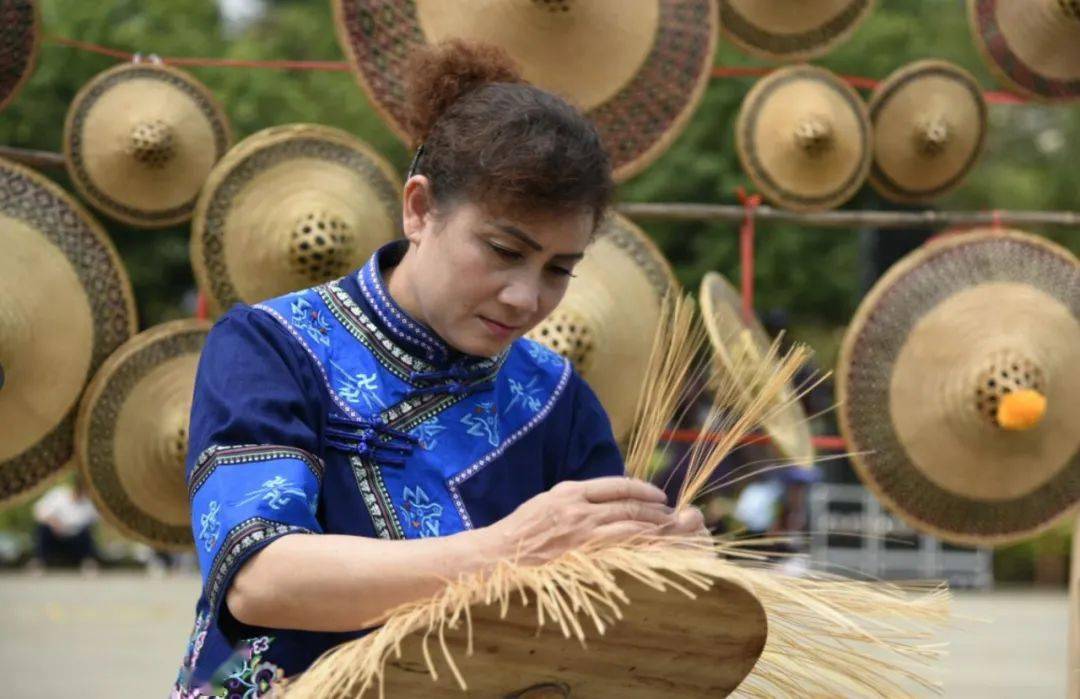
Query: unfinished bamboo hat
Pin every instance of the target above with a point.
(803, 136)
(958, 381)
(139, 141)
(664, 644)
(1033, 47)
(739, 347)
(290, 207)
(606, 321)
(20, 40)
(65, 305)
(929, 120)
(131, 433)
(638, 69)
(791, 31)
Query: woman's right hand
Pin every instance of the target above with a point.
(575, 512)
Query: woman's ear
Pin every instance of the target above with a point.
(416, 207)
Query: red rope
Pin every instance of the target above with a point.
(202, 307)
(329, 66)
(746, 251)
(992, 96)
(995, 96)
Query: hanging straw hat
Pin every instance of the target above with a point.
(139, 141)
(929, 122)
(638, 68)
(791, 31)
(803, 137)
(958, 381)
(65, 305)
(739, 347)
(1033, 46)
(20, 39)
(606, 322)
(290, 207)
(131, 434)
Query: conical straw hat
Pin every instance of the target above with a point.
(1032, 46)
(140, 140)
(736, 344)
(290, 207)
(606, 322)
(65, 305)
(929, 122)
(791, 31)
(803, 137)
(932, 355)
(131, 434)
(20, 39)
(637, 68)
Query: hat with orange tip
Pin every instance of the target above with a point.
(957, 382)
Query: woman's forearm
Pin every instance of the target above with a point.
(330, 582)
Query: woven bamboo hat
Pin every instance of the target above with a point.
(665, 644)
(958, 381)
(290, 207)
(139, 140)
(638, 69)
(791, 31)
(606, 322)
(803, 137)
(739, 346)
(20, 40)
(131, 433)
(65, 305)
(1033, 46)
(929, 122)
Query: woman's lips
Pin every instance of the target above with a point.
(499, 330)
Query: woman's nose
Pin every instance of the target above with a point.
(521, 295)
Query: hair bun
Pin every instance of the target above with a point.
(439, 75)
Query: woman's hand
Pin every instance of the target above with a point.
(575, 512)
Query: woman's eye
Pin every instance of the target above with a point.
(505, 253)
(561, 271)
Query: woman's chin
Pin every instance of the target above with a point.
(479, 346)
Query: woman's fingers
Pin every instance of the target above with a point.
(612, 488)
(631, 511)
(620, 531)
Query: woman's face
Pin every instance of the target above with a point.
(481, 280)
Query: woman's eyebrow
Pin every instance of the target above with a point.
(519, 234)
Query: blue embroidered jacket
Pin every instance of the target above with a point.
(330, 410)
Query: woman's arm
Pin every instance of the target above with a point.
(328, 582)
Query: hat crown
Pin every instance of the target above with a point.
(566, 332)
(1070, 9)
(152, 143)
(173, 438)
(931, 135)
(1005, 373)
(321, 246)
(554, 6)
(814, 134)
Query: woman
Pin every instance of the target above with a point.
(355, 444)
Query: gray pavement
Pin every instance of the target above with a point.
(122, 635)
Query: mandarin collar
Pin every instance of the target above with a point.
(409, 334)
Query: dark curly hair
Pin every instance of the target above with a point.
(488, 136)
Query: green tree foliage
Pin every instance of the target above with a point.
(812, 272)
